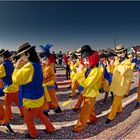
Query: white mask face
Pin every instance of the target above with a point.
(121, 54)
(24, 57)
(85, 61)
(44, 60)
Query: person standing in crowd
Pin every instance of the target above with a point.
(60, 58)
(54, 55)
(66, 61)
(28, 75)
(90, 81)
(122, 75)
(9, 90)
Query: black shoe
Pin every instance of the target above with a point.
(11, 133)
(75, 109)
(58, 110)
(70, 96)
(10, 130)
(46, 114)
(107, 121)
(137, 105)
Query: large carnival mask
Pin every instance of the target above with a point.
(86, 61)
(121, 54)
(24, 57)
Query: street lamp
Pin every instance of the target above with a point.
(114, 39)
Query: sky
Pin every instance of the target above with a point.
(69, 25)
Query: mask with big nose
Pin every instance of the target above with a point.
(121, 54)
(24, 57)
(86, 61)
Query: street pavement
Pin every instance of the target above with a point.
(65, 121)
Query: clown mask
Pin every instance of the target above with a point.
(86, 62)
(121, 54)
(24, 57)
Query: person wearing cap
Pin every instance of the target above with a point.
(90, 81)
(9, 90)
(28, 75)
(122, 75)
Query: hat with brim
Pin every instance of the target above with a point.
(86, 51)
(23, 48)
(119, 48)
(2, 51)
(6, 53)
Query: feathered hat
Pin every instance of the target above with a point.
(45, 50)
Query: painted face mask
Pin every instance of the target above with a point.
(121, 54)
(86, 62)
(24, 57)
(44, 60)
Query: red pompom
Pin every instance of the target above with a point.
(51, 59)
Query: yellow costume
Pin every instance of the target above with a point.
(122, 76)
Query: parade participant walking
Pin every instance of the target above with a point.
(104, 65)
(73, 66)
(10, 91)
(49, 80)
(90, 81)
(122, 75)
(28, 75)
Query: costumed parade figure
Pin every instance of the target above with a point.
(9, 90)
(28, 75)
(122, 75)
(4, 119)
(90, 81)
(49, 81)
(104, 66)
